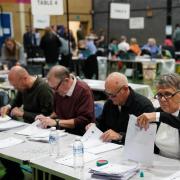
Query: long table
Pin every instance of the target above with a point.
(161, 65)
(36, 154)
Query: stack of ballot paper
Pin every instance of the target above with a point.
(36, 133)
(10, 125)
(92, 139)
(114, 171)
(175, 176)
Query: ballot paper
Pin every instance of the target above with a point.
(114, 171)
(139, 143)
(44, 137)
(68, 160)
(34, 129)
(92, 139)
(10, 125)
(4, 118)
(11, 141)
(175, 176)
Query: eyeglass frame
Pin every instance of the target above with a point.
(59, 84)
(166, 97)
(114, 95)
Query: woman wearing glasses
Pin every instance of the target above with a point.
(167, 116)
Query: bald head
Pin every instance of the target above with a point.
(116, 86)
(116, 79)
(17, 72)
(20, 78)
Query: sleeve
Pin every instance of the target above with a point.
(100, 122)
(45, 99)
(170, 120)
(17, 101)
(85, 110)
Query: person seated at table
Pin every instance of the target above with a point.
(32, 92)
(150, 48)
(36, 97)
(167, 116)
(12, 53)
(134, 47)
(73, 102)
(122, 102)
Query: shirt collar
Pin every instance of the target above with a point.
(71, 90)
(176, 113)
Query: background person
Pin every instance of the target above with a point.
(12, 53)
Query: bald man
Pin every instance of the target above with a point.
(33, 93)
(36, 97)
(122, 101)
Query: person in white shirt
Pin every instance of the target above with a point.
(167, 116)
(123, 45)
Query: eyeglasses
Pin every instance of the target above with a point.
(59, 84)
(166, 95)
(114, 95)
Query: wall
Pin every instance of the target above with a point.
(21, 14)
(154, 26)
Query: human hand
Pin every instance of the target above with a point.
(17, 112)
(4, 110)
(144, 119)
(110, 135)
(45, 121)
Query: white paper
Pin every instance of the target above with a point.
(41, 22)
(10, 142)
(10, 125)
(103, 148)
(136, 23)
(4, 118)
(175, 176)
(115, 171)
(47, 7)
(68, 160)
(139, 143)
(34, 130)
(120, 11)
(92, 139)
(44, 137)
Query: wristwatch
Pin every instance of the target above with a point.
(57, 123)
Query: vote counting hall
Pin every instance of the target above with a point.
(89, 89)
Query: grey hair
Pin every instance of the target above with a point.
(60, 72)
(169, 80)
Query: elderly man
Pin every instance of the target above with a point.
(33, 93)
(122, 102)
(167, 116)
(36, 97)
(73, 102)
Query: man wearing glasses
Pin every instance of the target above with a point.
(122, 101)
(73, 102)
(167, 116)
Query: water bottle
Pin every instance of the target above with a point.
(78, 153)
(53, 142)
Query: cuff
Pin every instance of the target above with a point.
(157, 116)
